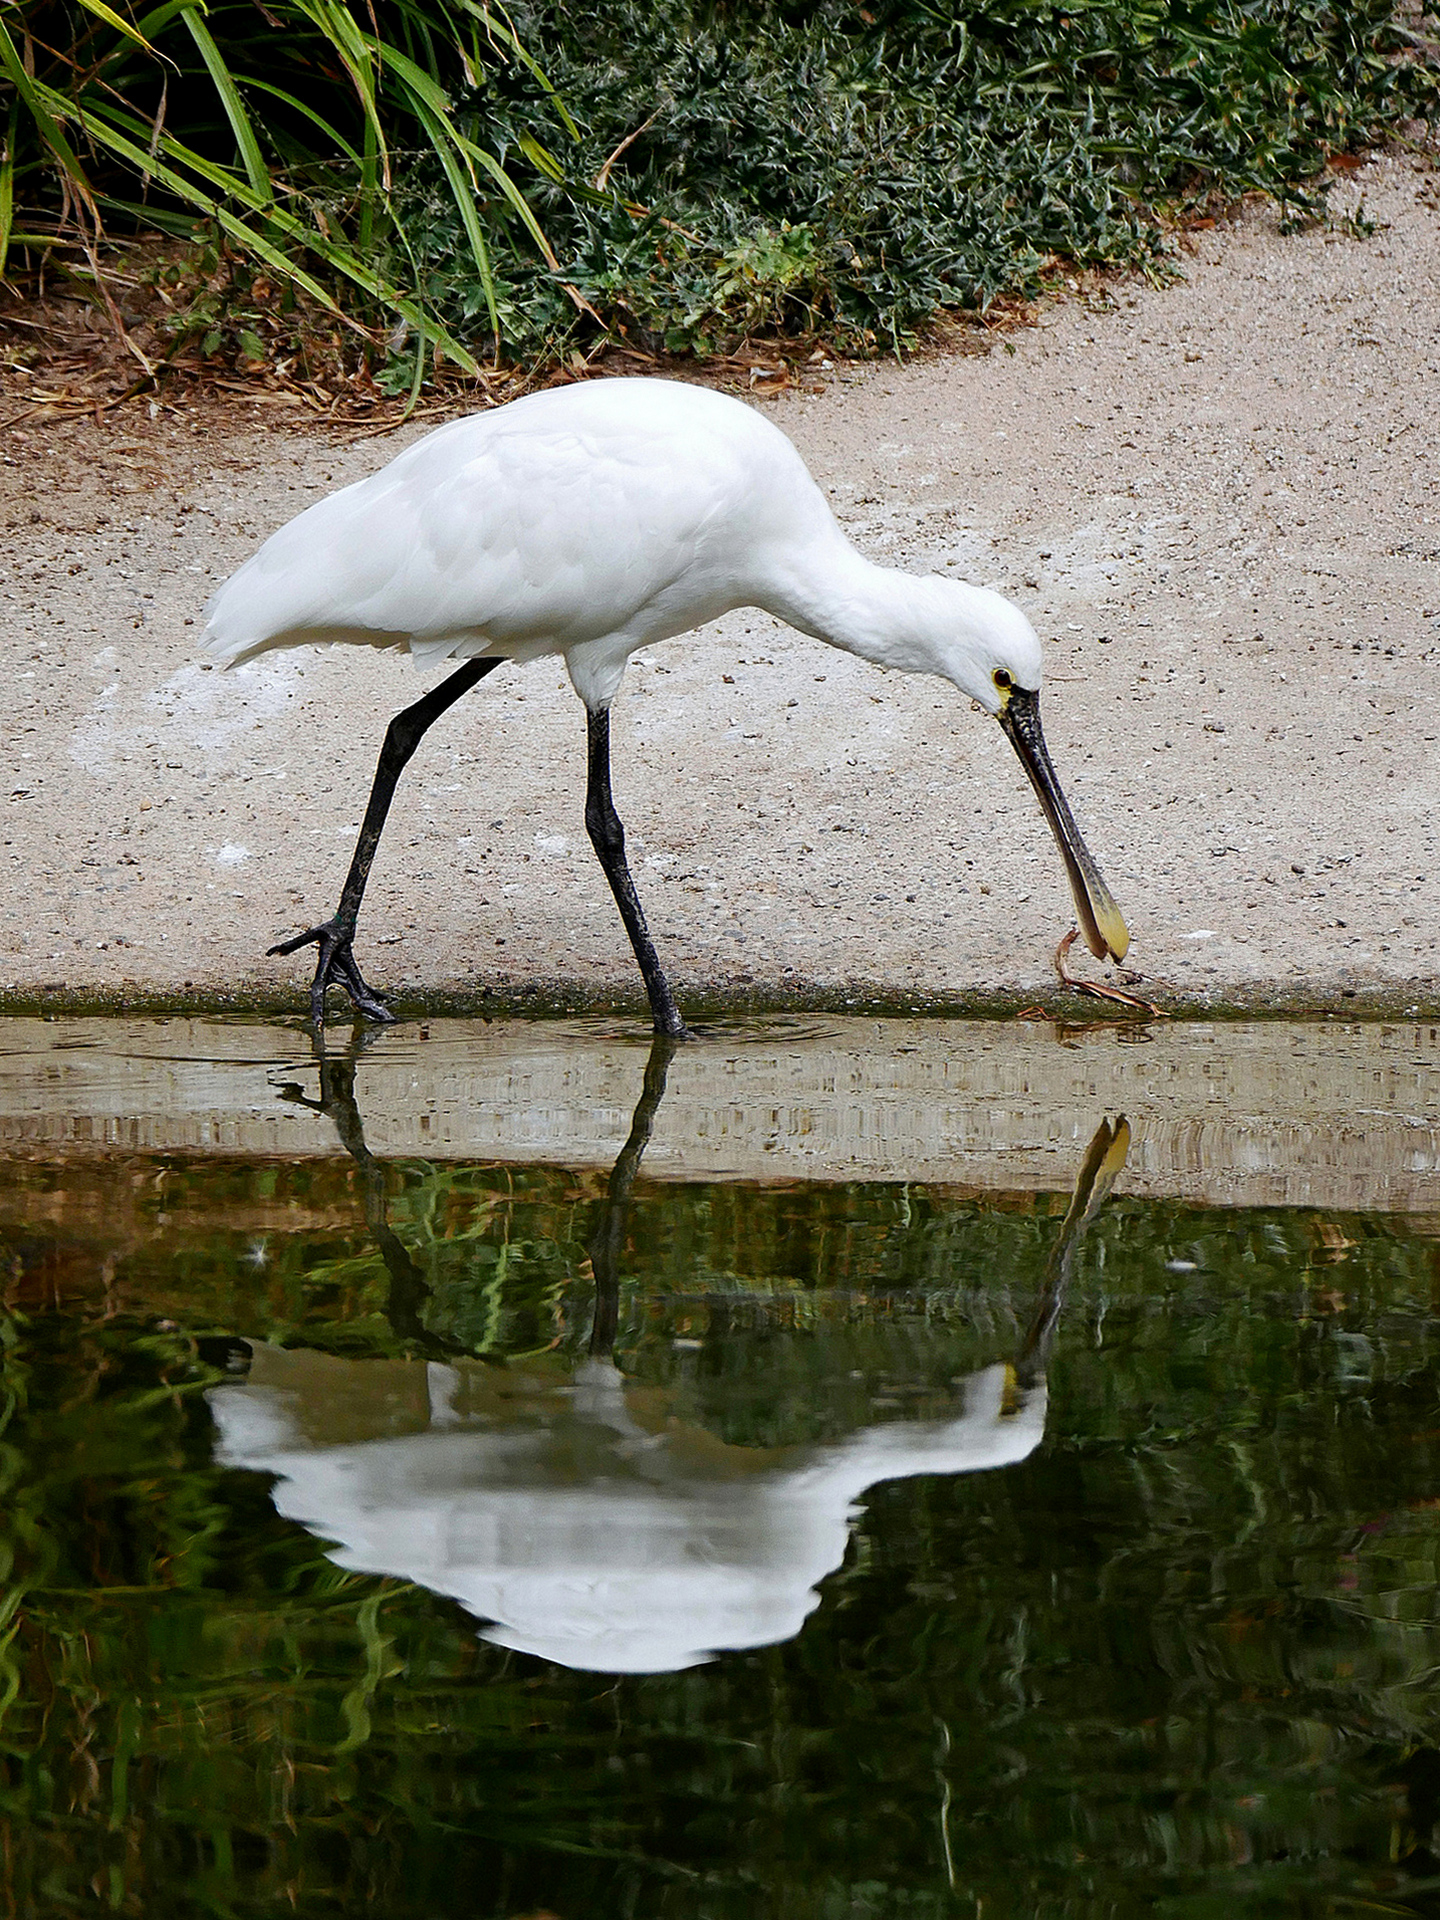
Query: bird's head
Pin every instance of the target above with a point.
(994, 655)
(992, 648)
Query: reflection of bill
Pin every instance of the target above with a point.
(573, 1511)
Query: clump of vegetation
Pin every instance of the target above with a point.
(443, 175)
(763, 167)
(277, 128)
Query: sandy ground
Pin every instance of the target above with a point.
(1218, 501)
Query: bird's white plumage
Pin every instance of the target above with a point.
(592, 520)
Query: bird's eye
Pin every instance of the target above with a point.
(1002, 679)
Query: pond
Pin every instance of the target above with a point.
(840, 1468)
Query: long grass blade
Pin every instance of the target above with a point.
(7, 186)
(256, 171)
(501, 30)
(151, 25)
(430, 104)
(117, 21)
(33, 94)
(513, 194)
(541, 158)
(342, 260)
(330, 131)
(423, 85)
(354, 53)
(108, 128)
(432, 107)
(462, 187)
(370, 185)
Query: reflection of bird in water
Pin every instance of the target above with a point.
(574, 1511)
(590, 521)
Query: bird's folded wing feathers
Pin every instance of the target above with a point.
(530, 529)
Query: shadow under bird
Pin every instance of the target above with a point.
(590, 521)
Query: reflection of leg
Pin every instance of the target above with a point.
(336, 964)
(1104, 1158)
(607, 836)
(610, 1235)
(409, 1289)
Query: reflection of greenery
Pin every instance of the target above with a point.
(1182, 1661)
(492, 1287)
(159, 1746)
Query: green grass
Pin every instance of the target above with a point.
(279, 131)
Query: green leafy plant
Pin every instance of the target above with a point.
(773, 169)
(682, 178)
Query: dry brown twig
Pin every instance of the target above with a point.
(1095, 988)
(602, 179)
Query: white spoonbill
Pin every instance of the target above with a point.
(590, 521)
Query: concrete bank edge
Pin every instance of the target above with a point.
(565, 999)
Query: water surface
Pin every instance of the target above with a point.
(683, 1525)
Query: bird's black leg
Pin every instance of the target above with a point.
(607, 836)
(336, 965)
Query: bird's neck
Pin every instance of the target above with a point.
(893, 619)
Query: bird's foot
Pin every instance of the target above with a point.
(335, 968)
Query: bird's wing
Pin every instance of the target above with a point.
(526, 529)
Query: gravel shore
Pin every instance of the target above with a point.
(1218, 501)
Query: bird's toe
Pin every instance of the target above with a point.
(312, 936)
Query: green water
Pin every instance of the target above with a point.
(1179, 1655)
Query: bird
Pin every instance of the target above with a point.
(591, 520)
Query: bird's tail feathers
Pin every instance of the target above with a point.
(433, 653)
(230, 648)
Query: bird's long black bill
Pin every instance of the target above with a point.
(1101, 921)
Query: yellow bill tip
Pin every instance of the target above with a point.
(1113, 929)
(1101, 922)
